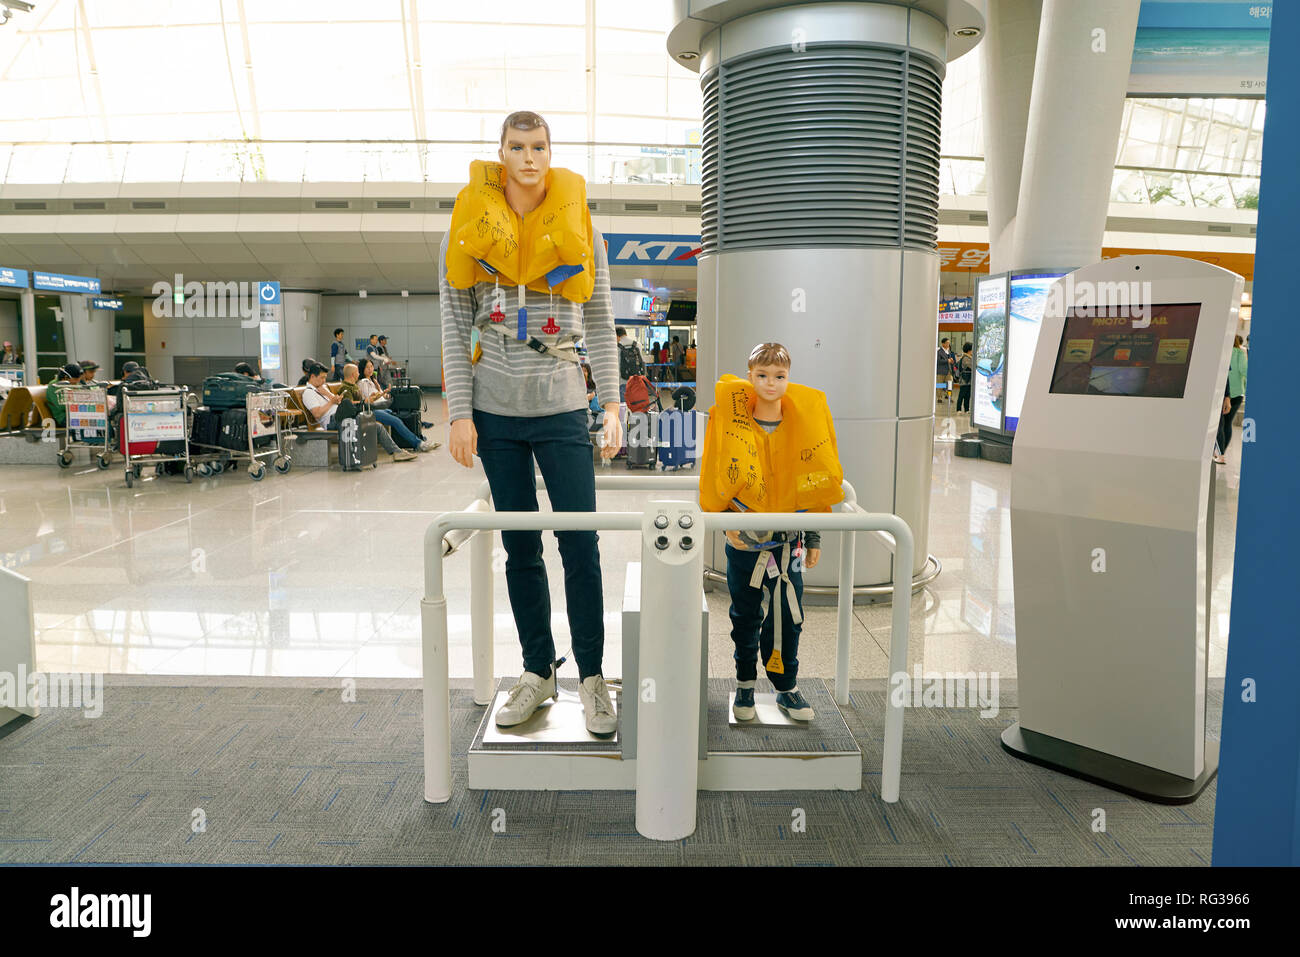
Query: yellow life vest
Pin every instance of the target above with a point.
(549, 251)
(794, 469)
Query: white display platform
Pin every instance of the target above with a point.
(1109, 493)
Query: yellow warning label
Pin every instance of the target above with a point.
(774, 663)
(1173, 352)
(1078, 350)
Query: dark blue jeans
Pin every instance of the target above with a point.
(753, 624)
(390, 419)
(507, 446)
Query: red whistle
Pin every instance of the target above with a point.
(550, 328)
(496, 315)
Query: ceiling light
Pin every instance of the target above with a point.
(687, 55)
(362, 294)
(966, 32)
(406, 294)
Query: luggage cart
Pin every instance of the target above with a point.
(87, 425)
(155, 415)
(213, 460)
(275, 405)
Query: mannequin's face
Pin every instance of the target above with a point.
(769, 381)
(526, 156)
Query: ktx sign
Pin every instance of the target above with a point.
(632, 249)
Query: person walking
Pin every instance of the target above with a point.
(965, 372)
(1234, 393)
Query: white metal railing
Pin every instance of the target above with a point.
(477, 521)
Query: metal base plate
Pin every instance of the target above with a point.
(767, 714)
(554, 722)
(1129, 777)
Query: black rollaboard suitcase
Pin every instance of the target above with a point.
(641, 452)
(228, 390)
(406, 399)
(412, 421)
(358, 442)
(234, 430)
(206, 430)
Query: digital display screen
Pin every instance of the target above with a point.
(1028, 300)
(989, 383)
(1106, 351)
(270, 353)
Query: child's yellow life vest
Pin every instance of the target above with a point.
(794, 469)
(549, 251)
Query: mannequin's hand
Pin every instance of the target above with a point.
(813, 557)
(463, 442)
(612, 436)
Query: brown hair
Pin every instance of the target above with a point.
(524, 120)
(769, 354)
(1237, 341)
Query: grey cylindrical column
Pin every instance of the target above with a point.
(820, 218)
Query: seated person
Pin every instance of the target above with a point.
(354, 388)
(323, 404)
(307, 365)
(88, 368)
(368, 386)
(69, 376)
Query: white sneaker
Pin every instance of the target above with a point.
(529, 692)
(429, 446)
(597, 706)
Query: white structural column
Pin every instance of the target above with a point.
(300, 332)
(1080, 78)
(88, 332)
(819, 222)
(28, 307)
(1006, 79)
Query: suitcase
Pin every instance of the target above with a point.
(358, 442)
(640, 441)
(234, 430)
(412, 421)
(676, 439)
(228, 390)
(206, 429)
(406, 399)
(137, 448)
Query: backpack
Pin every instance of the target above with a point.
(965, 366)
(641, 394)
(630, 362)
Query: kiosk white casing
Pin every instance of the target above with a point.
(1115, 660)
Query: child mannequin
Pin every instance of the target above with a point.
(760, 572)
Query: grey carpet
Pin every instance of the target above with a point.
(293, 775)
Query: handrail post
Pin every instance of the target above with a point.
(481, 613)
(848, 544)
(892, 759)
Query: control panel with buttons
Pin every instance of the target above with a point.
(669, 530)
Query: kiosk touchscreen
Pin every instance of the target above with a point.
(1111, 494)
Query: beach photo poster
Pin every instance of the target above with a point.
(1201, 48)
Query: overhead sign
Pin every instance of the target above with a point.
(268, 293)
(1194, 48)
(113, 305)
(643, 249)
(54, 282)
(975, 257)
(14, 278)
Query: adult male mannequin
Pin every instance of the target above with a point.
(521, 402)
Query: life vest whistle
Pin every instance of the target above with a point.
(550, 328)
(496, 315)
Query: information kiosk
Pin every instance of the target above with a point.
(1111, 493)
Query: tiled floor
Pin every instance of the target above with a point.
(318, 573)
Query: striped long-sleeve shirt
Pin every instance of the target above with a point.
(511, 378)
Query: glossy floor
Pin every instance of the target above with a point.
(318, 573)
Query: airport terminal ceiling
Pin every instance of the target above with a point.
(401, 93)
